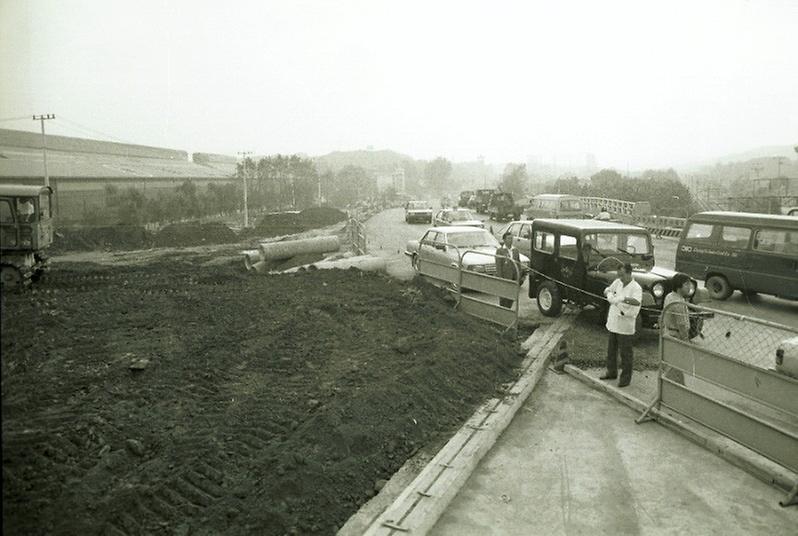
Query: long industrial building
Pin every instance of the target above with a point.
(81, 170)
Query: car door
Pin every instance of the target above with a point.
(773, 262)
(570, 266)
(513, 229)
(524, 239)
(426, 249)
(8, 227)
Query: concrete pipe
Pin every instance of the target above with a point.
(366, 263)
(292, 248)
(250, 258)
(259, 267)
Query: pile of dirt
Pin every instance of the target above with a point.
(112, 237)
(177, 398)
(321, 216)
(286, 223)
(194, 234)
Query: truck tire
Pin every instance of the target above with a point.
(718, 287)
(549, 299)
(10, 278)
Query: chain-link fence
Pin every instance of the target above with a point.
(739, 337)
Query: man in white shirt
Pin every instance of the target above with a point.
(624, 296)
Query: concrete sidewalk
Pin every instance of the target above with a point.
(574, 462)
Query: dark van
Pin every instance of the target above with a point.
(741, 251)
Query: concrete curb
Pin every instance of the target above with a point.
(417, 509)
(749, 461)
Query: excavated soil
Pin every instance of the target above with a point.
(180, 398)
(284, 223)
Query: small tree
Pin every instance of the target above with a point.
(436, 175)
(514, 179)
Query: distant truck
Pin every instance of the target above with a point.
(26, 231)
(502, 207)
(481, 200)
(465, 198)
(557, 206)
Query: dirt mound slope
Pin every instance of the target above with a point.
(321, 216)
(111, 237)
(285, 223)
(256, 405)
(194, 234)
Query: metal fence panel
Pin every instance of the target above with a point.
(449, 274)
(495, 286)
(779, 445)
(488, 311)
(770, 388)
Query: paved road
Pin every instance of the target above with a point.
(388, 233)
(574, 462)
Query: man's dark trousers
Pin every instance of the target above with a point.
(624, 344)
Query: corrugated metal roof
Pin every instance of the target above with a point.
(24, 162)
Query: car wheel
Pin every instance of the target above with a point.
(549, 299)
(718, 287)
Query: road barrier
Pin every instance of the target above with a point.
(730, 382)
(494, 287)
(661, 225)
(356, 233)
(637, 213)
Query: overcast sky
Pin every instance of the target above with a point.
(644, 82)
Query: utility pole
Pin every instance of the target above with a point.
(245, 155)
(44, 118)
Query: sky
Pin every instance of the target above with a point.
(636, 83)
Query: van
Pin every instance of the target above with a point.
(554, 206)
(741, 251)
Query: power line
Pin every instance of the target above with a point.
(95, 131)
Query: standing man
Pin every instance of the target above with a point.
(624, 296)
(505, 268)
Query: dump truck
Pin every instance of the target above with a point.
(26, 231)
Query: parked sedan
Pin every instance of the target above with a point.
(418, 211)
(456, 216)
(474, 248)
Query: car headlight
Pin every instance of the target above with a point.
(658, 290)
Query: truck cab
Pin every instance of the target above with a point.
(26, 231)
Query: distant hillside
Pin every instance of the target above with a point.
(385, 160)
(765, 152)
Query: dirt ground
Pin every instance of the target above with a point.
(588, 344)
(185, 396)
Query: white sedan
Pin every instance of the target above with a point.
(456, 216)
(474, 247)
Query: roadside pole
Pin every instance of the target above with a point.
(244, 156)
(43, 118)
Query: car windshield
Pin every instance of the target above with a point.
(461, 215)
(611, 243)
(571, 204)
(417, 205)
(472, 239)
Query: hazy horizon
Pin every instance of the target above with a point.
(638, 85)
